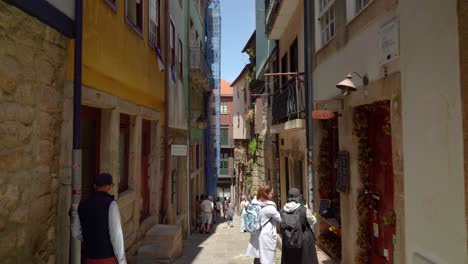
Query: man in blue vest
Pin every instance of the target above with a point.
(97, 224)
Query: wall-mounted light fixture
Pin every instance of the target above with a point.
(347, 85)
(201, 121)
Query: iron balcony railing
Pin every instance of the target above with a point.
(271, 10)
(289, 101)
(198, 62)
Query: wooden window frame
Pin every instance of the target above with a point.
(112, 4)
(139, 29)
(125, 128)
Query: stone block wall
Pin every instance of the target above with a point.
(32, 72)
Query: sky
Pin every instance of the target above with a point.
(237, 25)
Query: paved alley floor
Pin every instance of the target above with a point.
(224, 246)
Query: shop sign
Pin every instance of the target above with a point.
(178, 150)
(343, 171)
(322, 114)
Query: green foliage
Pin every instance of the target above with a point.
(252, 148)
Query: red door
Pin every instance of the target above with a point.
(381, 224)
(145, 157)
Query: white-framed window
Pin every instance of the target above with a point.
(323, 4)
(327, 20)
(134, 15)
(223, 108)
(360, 4)
(154, 15)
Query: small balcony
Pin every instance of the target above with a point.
(289, 103)
(277, 16)
(200, 72)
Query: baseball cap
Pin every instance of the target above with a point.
(103, 179)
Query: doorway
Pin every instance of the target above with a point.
(145, 167)
(90, 148)
(381, 187)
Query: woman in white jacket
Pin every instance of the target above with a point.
(269, 218)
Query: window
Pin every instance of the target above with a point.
(154, 31)
(224, 136)
(237, 88)
(174, 186)
(293, 57)
(284, 69)
(112, 4)
(181, 65)
(134, 14)
(224, 164)
(275, 78)
(223, 108)
(327, 23)
(360, 4)
(324, 4)
(172, 42)
(124, 142)
(197, 156)
(238, 119)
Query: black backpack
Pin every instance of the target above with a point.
(291, 228)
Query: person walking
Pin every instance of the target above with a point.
(298, 245)
(253, 246)
(218, 207)
(268, 237)
(207, 208)
(243, 205)
(97, 223)
(230, 215)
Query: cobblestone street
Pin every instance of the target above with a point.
(224, 246)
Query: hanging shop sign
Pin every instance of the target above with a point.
(343, 171)
(322, 114)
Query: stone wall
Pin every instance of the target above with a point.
(32, 72)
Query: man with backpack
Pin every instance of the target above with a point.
(296, 232)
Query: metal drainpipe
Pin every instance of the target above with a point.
(166, 113)
(189, 115)
(75, 245)
(309, 48)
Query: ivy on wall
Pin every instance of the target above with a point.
(360, 131)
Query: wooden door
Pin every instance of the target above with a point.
(90, 145)
(381, 224)
(145, 161)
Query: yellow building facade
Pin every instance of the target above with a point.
(117, 59)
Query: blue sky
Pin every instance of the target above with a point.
(237, 25)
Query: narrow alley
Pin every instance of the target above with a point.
(340, 125)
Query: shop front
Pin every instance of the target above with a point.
(359, 175)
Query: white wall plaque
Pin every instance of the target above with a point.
(389, 44)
